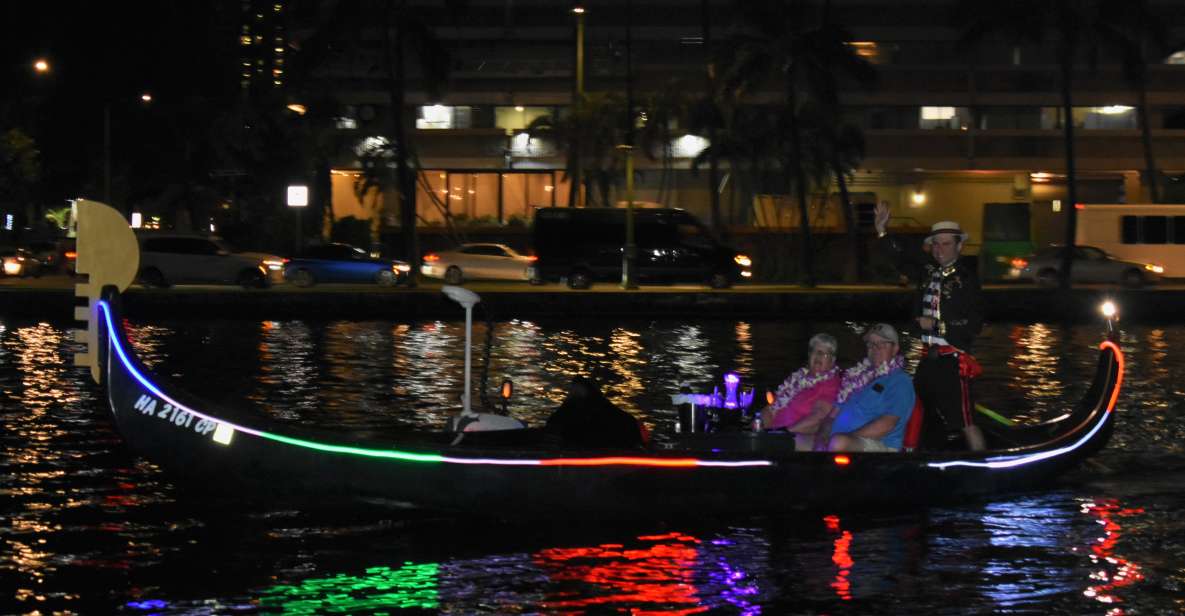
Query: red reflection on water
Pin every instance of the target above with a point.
(650, 579)
(842, 558)
(1118, 571)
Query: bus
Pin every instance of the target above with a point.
(1145, 233)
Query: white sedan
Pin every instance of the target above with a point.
(478, 261)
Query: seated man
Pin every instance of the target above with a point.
(875, 398)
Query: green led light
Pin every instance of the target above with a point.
(358, 451)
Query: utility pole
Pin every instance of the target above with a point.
(630, 253)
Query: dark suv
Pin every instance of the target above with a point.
(581, 245)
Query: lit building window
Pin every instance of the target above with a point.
(938, 113)
(944, 117)
(436, 116)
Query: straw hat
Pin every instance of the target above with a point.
(946, 226)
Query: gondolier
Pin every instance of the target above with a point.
(948, 314)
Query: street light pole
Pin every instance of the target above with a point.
(630, 253)
(575, 193)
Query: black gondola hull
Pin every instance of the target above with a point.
(222, 451)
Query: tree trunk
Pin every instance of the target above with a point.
(1150, 173)
(800, 189)
(713, 160)
(405, 180)
(1071, 209)
(855, 262)
(323, 195)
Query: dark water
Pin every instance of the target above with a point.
(88, 528)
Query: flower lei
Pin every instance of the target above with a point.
(859, 376)
(801, 380)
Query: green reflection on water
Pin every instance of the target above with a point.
(409, 586)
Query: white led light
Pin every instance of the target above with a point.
(223, 433)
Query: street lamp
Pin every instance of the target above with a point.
(41, 65)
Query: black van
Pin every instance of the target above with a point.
(581, 245)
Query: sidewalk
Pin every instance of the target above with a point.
(51, 297)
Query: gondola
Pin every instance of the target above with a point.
(524, 473)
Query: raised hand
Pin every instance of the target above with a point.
(882, 216)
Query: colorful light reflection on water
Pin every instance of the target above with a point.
(92, 530)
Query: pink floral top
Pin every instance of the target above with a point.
(791, 411)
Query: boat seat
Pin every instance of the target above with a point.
(913, 429)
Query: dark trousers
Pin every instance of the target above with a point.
(941, 390)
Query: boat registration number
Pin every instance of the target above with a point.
(147, 405)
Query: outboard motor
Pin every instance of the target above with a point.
(470, 420)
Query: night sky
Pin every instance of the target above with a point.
(112, 52)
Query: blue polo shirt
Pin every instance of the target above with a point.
(894, 396)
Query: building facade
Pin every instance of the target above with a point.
(951, 131)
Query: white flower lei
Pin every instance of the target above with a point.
(801, 380)
(859, 376)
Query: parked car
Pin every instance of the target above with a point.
(167, 259)
(343, 263)
(51, 254)
(1090, 265)
(580, 245)
(478, 261)
(19, 262)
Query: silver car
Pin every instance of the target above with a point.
(167, 259)
(1090, 265)
(478, 261)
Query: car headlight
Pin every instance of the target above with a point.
(273, 264)
(12, 266)
(1155, 269)
(401, 267)
(743, 260)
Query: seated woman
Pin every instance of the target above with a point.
(874, 402)
(805, 390)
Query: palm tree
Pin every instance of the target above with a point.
(1078, 29)
(794, 42)
(403, 33)
(1136, 35)
(588, 136)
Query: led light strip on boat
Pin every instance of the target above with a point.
(225, 430)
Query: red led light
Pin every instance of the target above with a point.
(842, 460)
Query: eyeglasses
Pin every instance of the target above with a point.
(873, 344)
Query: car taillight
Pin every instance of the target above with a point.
(1019, 263)
(431, 258)
(70, 254)
(532, 258)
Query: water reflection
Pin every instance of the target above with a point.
(86, 518)
(1114, 572)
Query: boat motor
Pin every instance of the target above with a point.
(468, 420)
